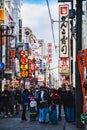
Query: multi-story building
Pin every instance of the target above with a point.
(10, 10)
(17, 18)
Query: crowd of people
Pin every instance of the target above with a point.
(43, 104)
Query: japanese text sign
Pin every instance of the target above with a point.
(63, 31)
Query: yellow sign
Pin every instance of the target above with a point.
(24, 73)
(2, 15)
(24, 67)
(12, 53)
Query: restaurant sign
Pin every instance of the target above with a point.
(63, 31)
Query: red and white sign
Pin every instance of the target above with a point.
(64, 10)
(40, 78)
(24, 53)
(64, 66)
(36, 52)
(35, 45)
(49, 45)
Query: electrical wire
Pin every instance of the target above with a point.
(52, 27)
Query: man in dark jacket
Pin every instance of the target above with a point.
(24, 103)
(5, 100)
(18, 99)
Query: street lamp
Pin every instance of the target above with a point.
(5, 33)
(27, 35)
(12, 25)
(3, 29)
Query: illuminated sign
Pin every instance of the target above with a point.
(24, 73)
(24, 60)
(12, 53)
(24, 53)
(24, 67)
(24, 64)
(2, 15)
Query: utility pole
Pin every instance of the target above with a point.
(78, 92)
(0, 58)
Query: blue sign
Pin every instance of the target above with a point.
(26, 46)
(1, 66)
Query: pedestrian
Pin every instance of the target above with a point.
(64, 100)
(17, 98)
(70, 106)
(43, 106)
(5, 100)
(60, 103)
(24, 104)
(36, 96)
(55, 97)
(1, 104)
(53, 114)
(12, 101)
(33, 108)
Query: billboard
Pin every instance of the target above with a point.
(64, 66)
(63, 31)
(49, 55)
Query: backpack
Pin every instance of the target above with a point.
(36, 94)
(56, 99)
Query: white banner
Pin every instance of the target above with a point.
(63, 31)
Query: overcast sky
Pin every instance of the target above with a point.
(35, 16)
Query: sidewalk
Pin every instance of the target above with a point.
(15, 122)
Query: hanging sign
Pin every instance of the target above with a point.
(1, 4)
(24, 53)
(63, 31)
(49, 45)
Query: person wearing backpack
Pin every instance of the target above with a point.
(36, 96)
(55, 97)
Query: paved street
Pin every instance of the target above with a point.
(15, 123)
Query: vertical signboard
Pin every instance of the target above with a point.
(63, 31)
(2, 10)
(49, 45)
(24, 64)
(82, 66)
(64, 66)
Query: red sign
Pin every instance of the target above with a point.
(49, 52)
(49, 44)
(12, 53)
(24, 60)
(24, 53)
(64, 10)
